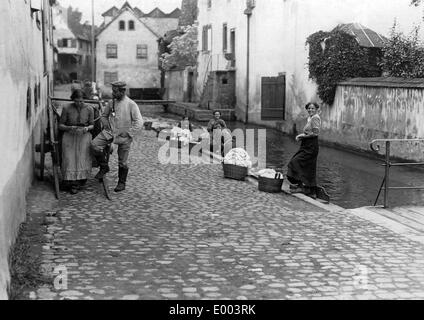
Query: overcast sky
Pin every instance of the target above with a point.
(101, 6)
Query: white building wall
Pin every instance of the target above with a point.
(279, 29)
(137, 73)
(21, 66)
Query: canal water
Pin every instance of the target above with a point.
(352, 180)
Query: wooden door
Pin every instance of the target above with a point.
(273, 98)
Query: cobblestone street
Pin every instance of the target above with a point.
(185, 232)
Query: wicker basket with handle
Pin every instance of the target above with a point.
(270, 184)
(232, 171)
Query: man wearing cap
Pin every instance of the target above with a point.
(121, 121)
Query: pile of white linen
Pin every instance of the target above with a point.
(270, 173)
(238, 157)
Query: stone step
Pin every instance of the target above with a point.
(194, 112)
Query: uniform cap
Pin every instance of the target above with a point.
(119, 84)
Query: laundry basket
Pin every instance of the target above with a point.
(270, 184)
(232, 171)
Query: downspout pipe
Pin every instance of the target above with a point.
(93, 45)
(248, 13)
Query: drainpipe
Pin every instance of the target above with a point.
(93, 45)
(248, 13)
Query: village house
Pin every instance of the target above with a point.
(127, 47)
(74, 47)
(26, 68)
(259, 47)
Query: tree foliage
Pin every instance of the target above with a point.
(333, 57)
(74, 18)
(403, 55)
(182, 51)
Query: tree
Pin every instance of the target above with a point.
(333, 57)
(182, 50)
(403, 56)
(74, 20)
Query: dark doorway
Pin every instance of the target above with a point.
(73, 76)
(190, 86)
(273, 98)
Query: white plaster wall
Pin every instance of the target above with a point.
(21, 57)
(279, 29)
(137, 73)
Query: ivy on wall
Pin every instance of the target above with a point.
(333, 57)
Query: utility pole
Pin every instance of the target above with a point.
(93, 45)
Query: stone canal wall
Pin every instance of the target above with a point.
(376, 108)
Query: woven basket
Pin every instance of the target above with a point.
(232, 171)
(270, 185)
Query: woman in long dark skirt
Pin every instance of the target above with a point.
(302, 167)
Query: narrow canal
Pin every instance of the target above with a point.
(352, 180)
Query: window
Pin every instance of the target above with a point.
(209, 4)
(207, 38)
(111, 51)
(131, 25)
(224, 37)
(122, 25)
(110, 77)
(142, 51)
(64, 43)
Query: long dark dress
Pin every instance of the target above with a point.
(302, 167)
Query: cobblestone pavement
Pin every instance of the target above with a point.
(185, 232)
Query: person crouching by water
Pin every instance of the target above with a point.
(76, 120)
(216, 122)
(303, 165)
(185, 124)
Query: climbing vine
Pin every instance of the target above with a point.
(333, 57)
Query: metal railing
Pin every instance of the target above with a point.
(387, 163)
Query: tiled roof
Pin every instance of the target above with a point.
(155, 13)
(174, 14)
(127, 7)
(156, 20)
(111, 12)
(391, 82)
(138, 12)
(365, 36)
(160, 26)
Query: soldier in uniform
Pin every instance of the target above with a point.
(121, 120)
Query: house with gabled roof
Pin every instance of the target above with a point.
(73, 43)
(127, 46)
